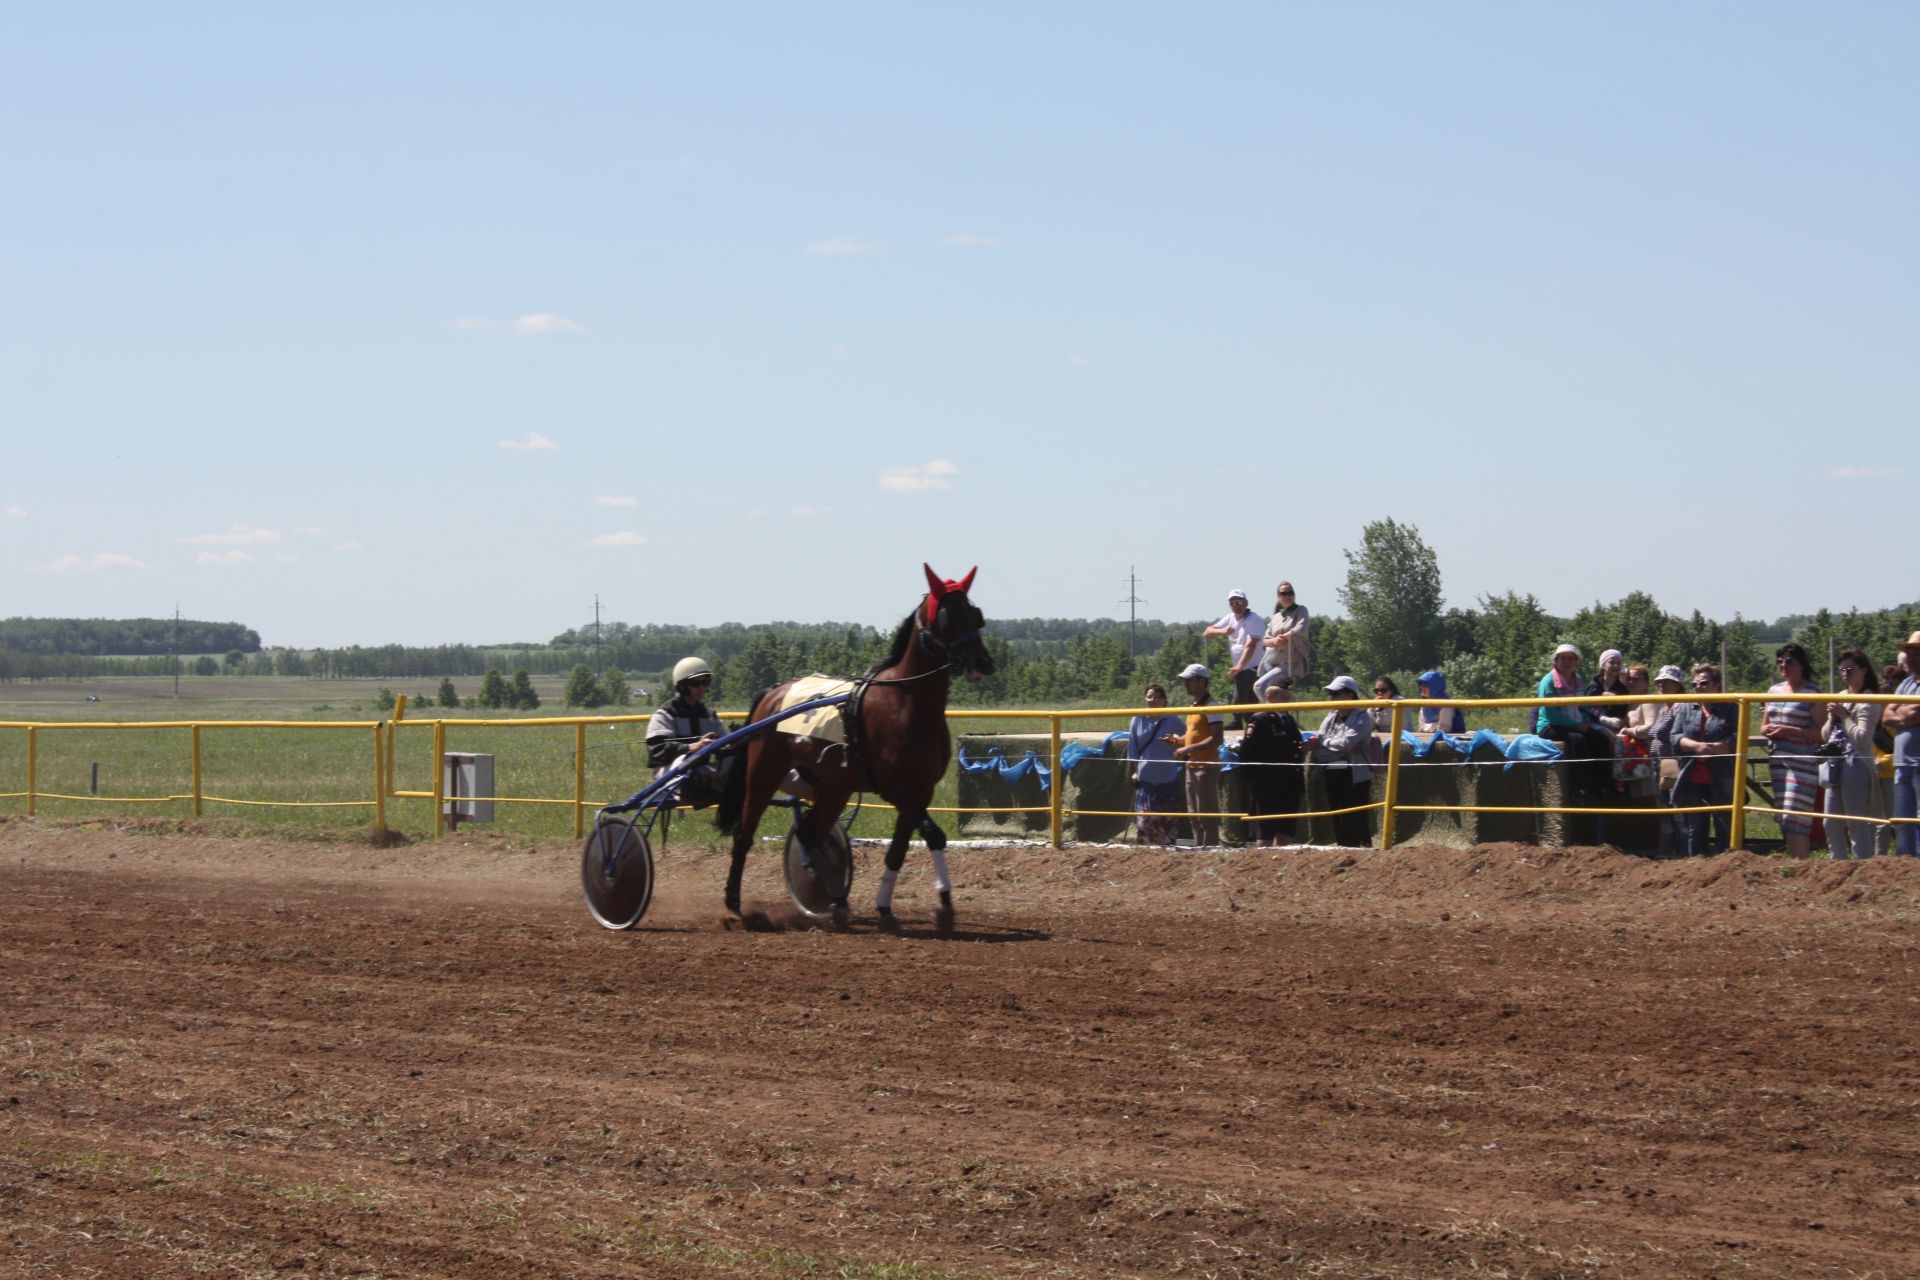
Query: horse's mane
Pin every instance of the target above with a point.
(902, 637)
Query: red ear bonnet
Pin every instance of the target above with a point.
(939, 588)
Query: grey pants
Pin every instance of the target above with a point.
(1856, 792)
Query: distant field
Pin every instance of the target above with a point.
(138, 770)
(332, 767)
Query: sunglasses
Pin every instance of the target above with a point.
(1703, 684)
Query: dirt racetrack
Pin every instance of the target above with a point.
(242, 1057)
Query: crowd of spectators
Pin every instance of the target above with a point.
(1827, 761)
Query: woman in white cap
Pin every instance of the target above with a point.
(1576, 728)
(1341, 748)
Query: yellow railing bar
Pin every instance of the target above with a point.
(197, 789)
(1393, 779)
(379, 782)
(579, 779)
(439, 776)
(1738, 838)
(1059, 789)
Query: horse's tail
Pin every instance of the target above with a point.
(733, 796)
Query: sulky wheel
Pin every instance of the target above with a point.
(819, 883)
(616, 873)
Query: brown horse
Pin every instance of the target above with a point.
(896, 746)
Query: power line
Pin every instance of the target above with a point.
(1132, 600)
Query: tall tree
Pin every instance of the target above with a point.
(1517, 634)
(582, 689)
(494, 692)
(1392, 598)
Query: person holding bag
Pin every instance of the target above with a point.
(1854, 786)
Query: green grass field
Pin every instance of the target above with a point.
(138, 768)
(264, 778)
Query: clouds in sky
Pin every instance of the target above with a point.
(834, 246)
(611, 501)
(93, 564)
(532, 442)
(806, 513)
(537, 324)
(624, 538)
(11, 512)
(1865, 473)
(541, 322)
(238, 535)
(937, 474)
(231, 556)
(968, 240)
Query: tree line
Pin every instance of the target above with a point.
(1390, 621)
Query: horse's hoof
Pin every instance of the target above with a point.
(733, 906)
(839, 915)
(890, 922)
(943, 918)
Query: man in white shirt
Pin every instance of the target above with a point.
(1244, 630)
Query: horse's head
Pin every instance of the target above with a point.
(951, 626)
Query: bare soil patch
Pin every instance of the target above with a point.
(258, 1057)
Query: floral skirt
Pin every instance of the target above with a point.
(1156, 805)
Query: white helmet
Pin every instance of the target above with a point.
(690, 669)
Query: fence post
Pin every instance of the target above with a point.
(1059, 786)
(580, 779)
(197, 791)
(379, 781)
(33, 766)
(1393, 776)
(439, 775)
(1739, 823)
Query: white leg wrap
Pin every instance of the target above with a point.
(940, 882)
(883, 899)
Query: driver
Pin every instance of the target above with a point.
(682, 725)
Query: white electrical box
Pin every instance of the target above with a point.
(464, 776)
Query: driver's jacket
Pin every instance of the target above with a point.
(675, 727)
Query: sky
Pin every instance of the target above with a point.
(434, 322)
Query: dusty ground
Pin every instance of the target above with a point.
(239, 1057)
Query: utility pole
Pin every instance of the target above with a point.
(173, 653)
(596, 631)
(1132, 601)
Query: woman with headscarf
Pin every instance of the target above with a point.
(1793, 736)
(1433, 684)
(1576, 728)
(1608, 681)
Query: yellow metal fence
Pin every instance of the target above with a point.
(383, 741)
